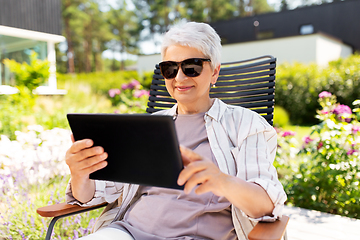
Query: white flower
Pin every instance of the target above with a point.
(35, 156)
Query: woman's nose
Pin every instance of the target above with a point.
(180, 76)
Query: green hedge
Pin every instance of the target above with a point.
(86, 93)
(298, 86)
(101, 82)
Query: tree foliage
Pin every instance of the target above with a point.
(93, 26)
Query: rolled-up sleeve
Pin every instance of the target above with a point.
(105, 191)
(255, 158)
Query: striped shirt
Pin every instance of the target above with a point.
(244, 145)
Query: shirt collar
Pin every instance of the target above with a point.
(215, 112)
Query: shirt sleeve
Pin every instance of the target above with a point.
(255, 157)
(105, 191)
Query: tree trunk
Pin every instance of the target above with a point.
(122, 65)
(87, 49)
(70, 51)
(97, 57)
(241, 8)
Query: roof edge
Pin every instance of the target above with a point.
(29, 34)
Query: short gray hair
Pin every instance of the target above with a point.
(200, 36)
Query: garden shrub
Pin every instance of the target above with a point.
(130, 98)
(328, 174)
(281, 117)
(30, 75)
(19, 110)
(298, 85)
(16, 111)
(101, 82)
(286, 155)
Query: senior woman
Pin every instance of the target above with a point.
(227, 151)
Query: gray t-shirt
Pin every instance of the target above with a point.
(162, 213)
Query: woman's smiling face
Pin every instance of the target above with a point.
(191, 93)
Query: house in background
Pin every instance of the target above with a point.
(314, 34)
(25, 26)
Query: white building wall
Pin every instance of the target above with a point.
(328, 49)
(284, 49)
(147, 62)
(313, 48)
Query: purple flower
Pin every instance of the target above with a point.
(76, 234)
(134, 84)
(113, 92)
(343, 112)
(139, 93)
(307, 139)
(342, 109)
(22, 234)
(351, 151)
(124, 86)
(324, 94)
(288, 133)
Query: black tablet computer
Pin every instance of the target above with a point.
(142, 148)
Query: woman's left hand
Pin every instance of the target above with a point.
(206, 176)
(201, 173)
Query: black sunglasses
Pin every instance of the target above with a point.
(191, 67)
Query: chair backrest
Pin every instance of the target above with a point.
(248, 83)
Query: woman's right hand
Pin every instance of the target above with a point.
(83, 159)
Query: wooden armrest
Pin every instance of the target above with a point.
(60, 209)
(269, 230)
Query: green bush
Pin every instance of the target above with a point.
(326, 174)
(16, 111)
(281, 117)
(87, 93)
(130, 98)
(29, 75)
(101, 82)
(298, 85)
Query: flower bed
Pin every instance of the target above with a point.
(33, 174)
(322, 172)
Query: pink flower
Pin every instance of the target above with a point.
(114, 91)
(134, 84)
(343, 112)
(342, 109)
(124, 86)
(307, 139)
(324, 112)
(355, 129)
(324, 94)
(351, 151)
(139, 93)
(288, 133)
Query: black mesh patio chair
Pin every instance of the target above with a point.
(250, 84)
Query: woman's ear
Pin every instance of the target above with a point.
(215, 74)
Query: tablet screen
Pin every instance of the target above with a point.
(142, 149)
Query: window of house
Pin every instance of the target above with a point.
(18, 49)
(306, 29)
